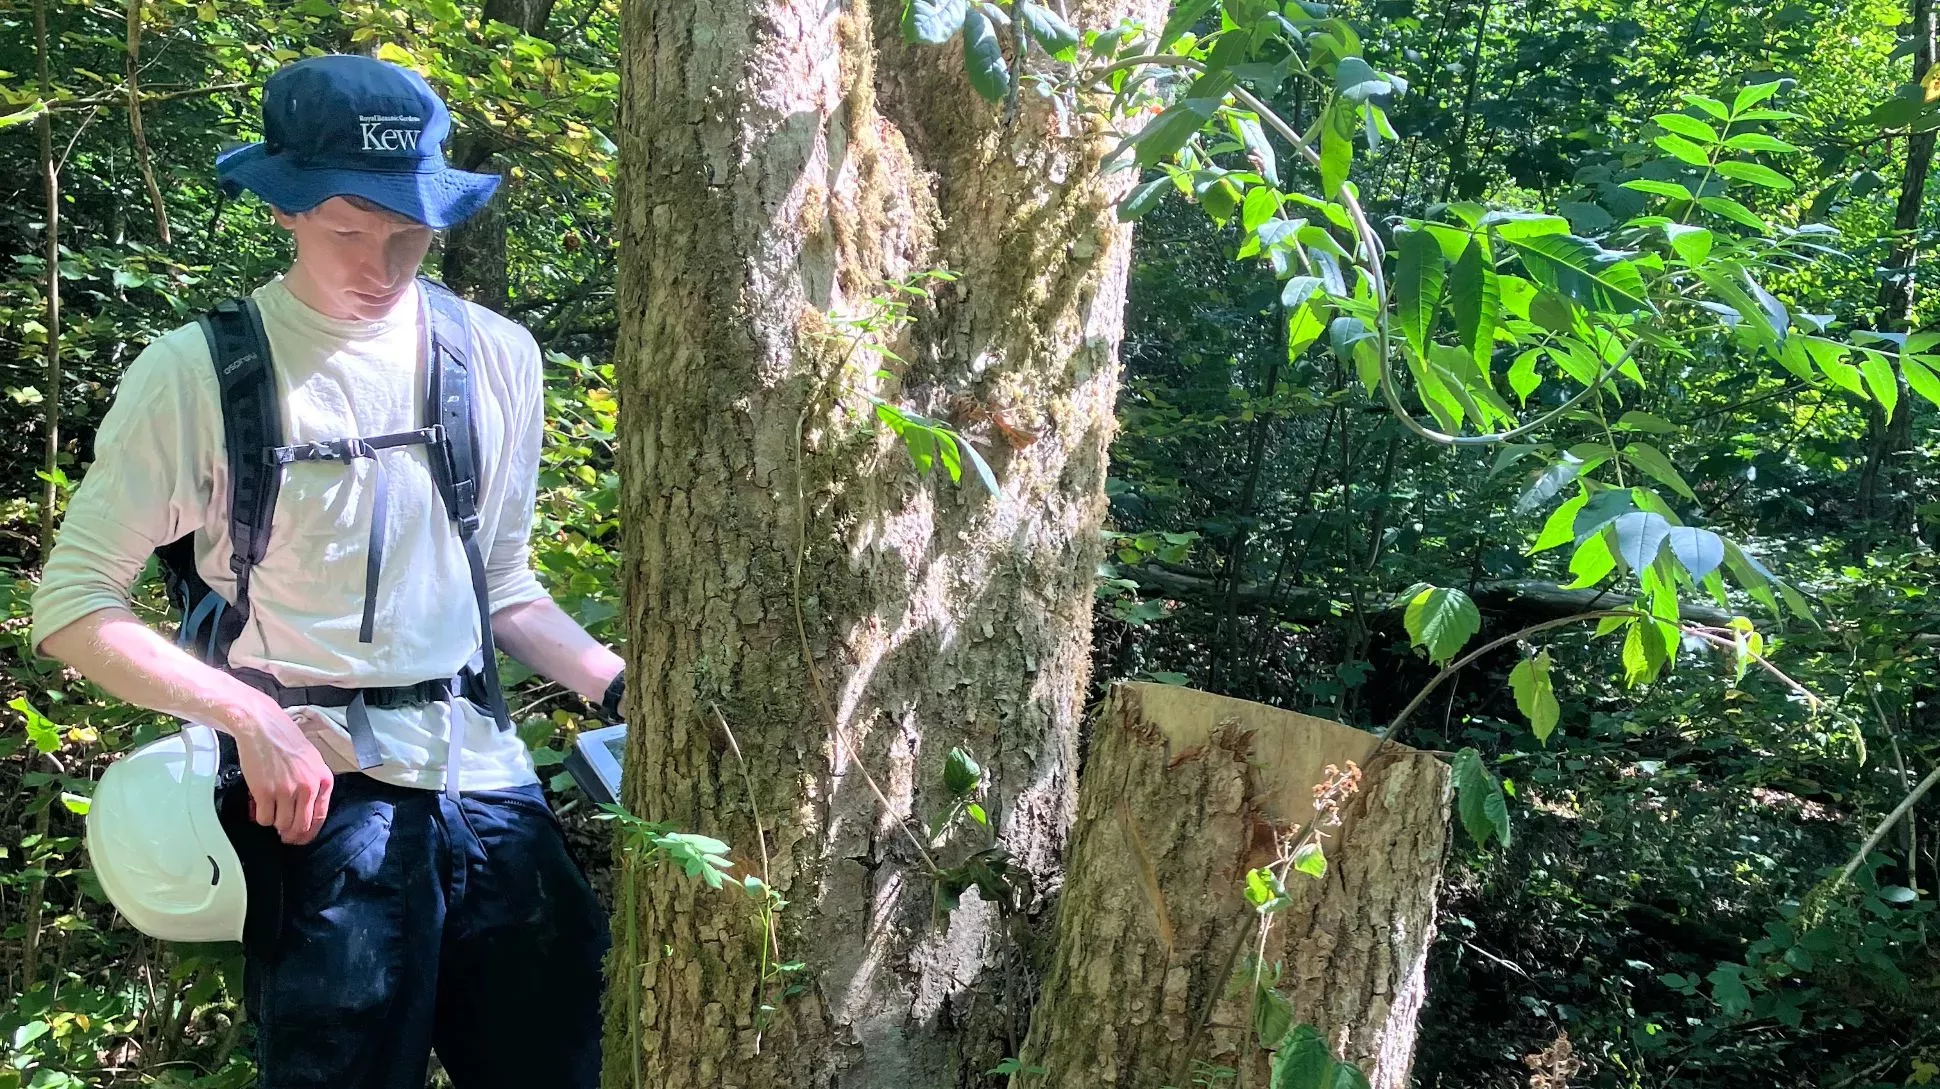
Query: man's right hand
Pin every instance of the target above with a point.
(287, 778)
(289, 784)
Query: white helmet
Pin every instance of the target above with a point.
(158, 845)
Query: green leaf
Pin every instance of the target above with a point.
(1644, 421)
(1693, 244)
(961, 775)
(1880, 379)
(1184, 14)
(1659, 188)
(1732, 210)
(1640, 536)
(1658, 467)
(1304, 326)
(1310, 861)
(1728, 989)
(1479, 799)
(1254, 137)
(1418, 288)
(1272, 1015)
(1684, 150)
(1754, 173)
(1336, 152)
(1476, 298)
(1600, 279)
(1304, 1060)
(1441, 620)
(933, 22)
(1751, 575)
(1357, 81)
(1523, 378)
(24, 114)
(1559, 529)
(1144, 198)
(984, 476)
(983, 60)
(1774, 312)
(1522, 226)
(1051, 31)
(1709, 105)
(1758, 141)
(1354, 343)
(1346, 1075)
(1298, 290)
(1700, 551)
(1259, 206)
(1536, 694)
(1686, 125)
(1921, 379)
(1752, 94)
(1603, 508)
(1265, 891)
(1168, 132)
(41, 730)
(1549, 480)
(1642, 655)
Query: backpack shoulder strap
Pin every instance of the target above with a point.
(251, 424)
(449, 403)
(450, 383)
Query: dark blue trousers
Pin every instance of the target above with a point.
(412, 924)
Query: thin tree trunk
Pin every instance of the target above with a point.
(1457, 150)
(142, 158)
(51, 193)
(1158, 948)
(1887, 438)
(1224, 665)
(474, 261)
(779, 161)
(1306, 504)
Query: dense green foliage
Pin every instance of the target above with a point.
(1662, 233)
(1726, 184)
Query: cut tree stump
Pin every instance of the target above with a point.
(1183, 794)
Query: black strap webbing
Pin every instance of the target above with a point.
(450, 392)
(239, 348)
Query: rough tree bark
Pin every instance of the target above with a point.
(1184, 792)
(779, 161)
(474, 255)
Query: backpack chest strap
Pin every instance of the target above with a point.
(344, 450)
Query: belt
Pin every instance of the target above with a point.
(357, 701)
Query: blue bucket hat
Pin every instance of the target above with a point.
(347, 125)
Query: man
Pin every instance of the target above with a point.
(415, 911)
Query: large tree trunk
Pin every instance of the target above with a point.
(778, 162)
(1157, 946)
(474, 255)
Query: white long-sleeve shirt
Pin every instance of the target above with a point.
(160, 471)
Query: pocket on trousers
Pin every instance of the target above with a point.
(353, 827)
(529, 799)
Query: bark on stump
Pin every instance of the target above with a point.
(1183, 792)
